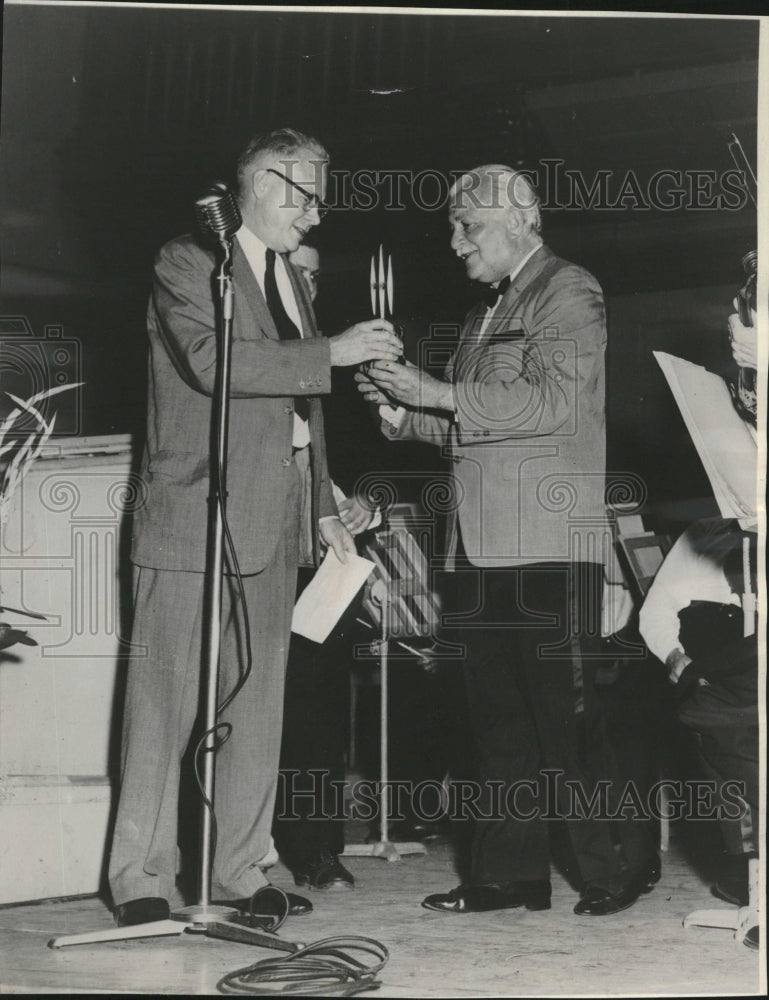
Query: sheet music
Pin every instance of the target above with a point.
(324, 600)
(724, 441)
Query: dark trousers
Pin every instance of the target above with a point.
(723, 715)
(309, 804)
(527, 633)
(723, 718)
(428, 737)
(625, 729)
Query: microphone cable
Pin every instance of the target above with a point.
(323, 968)
(223, 730)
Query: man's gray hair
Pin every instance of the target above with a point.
(495, 185)
(282, 143)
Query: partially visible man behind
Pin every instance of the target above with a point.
(309, 820)
(692, 620)
(306, 260)
(280, 509)
(520, 412)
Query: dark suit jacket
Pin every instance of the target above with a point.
(527, 443)
(170, 524)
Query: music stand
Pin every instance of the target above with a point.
(400, 600)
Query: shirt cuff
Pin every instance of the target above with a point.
(391, 414)
(300, 437)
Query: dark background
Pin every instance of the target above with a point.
(115, 119)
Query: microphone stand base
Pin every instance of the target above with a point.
(203, 914)
(199, 920)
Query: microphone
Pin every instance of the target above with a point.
(217, 212)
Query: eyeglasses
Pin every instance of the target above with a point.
(311, 201)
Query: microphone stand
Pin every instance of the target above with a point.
(212, 607)
(203, 917)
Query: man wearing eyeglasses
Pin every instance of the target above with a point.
(280, 509)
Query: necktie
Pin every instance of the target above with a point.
(283, 323)
(491, 295)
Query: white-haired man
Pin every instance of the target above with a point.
(279, 506)
(520, 412)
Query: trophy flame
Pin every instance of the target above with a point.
(382, 285)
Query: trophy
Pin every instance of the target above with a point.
(381, 284)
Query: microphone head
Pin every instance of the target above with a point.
(217, 212)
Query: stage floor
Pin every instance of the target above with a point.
(643, 950)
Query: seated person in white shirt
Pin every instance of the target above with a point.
(692, 620)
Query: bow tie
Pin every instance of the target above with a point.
(491, 295)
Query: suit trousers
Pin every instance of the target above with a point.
(162, 704)
(309, 809)
(724, 721)
(526, 633)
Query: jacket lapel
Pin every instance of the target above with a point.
(504, 324)
(244, 278)
(504, 319)
(303, 302)
(247, 284)
(468, 340)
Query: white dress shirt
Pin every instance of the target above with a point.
(256, 255)
(693, 570)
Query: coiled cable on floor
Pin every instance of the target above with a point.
(323, 968)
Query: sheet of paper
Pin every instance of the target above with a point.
(324, 600)
(630, 524)
(723, 440)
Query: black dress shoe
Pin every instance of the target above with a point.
(751, 938)
(731, 892)
(323, 871)
(401, 831)
(142, 911)
(269, 900)
(480, 898)
(598, 902)
(298, 905)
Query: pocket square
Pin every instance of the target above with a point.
(507, 336)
